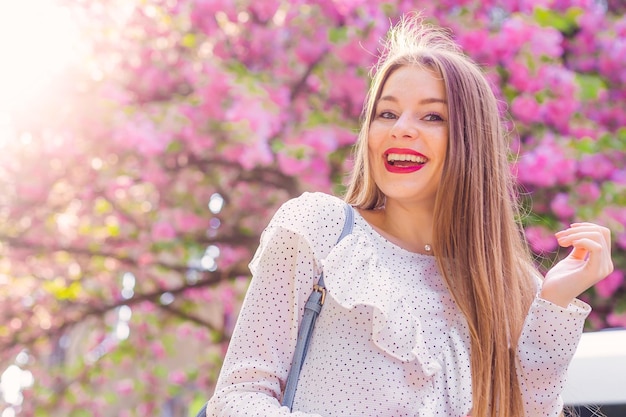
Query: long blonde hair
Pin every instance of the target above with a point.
(477, 239)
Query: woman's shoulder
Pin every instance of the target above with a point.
(316, 212)
(317, 217)
(315, 206)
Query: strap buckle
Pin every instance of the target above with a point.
(322, 290)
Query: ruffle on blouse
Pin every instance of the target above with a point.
(358, 278)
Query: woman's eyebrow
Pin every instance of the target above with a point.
(428, 100)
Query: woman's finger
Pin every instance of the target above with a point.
(598, 259)
(568, 239)
(587, 227)
(584, 247)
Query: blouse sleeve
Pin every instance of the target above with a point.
(259, 356)
(546, 347)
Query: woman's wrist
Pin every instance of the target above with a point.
(557, 298)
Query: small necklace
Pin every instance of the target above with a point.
(427, 248)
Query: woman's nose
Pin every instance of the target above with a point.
(404, 128)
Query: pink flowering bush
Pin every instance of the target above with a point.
(132, 202)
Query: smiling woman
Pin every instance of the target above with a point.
(431, 303)
(37, 42)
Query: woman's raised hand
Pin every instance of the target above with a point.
(588, 263)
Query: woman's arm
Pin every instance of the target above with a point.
(545, 349)
(259, 354)
(555, 321)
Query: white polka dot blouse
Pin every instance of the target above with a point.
(389, 342)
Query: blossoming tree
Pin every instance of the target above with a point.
(133, 198)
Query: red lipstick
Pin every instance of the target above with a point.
(403, 167)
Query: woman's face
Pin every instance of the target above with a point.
(408, 135)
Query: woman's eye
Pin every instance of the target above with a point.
(386, 115)
(432, 117)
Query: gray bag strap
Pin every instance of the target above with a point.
(312, 309)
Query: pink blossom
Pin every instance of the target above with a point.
(513, 35)
(201, 335)
(521, 78)
(291, 165)
(583, 132)
(149, 378)
(351, 53)
(177, 377)
(153, 83)
(547, 41)
(157, 349)
(540, 239)
(215, 91)
(125, 387)
(264, 10)
(621, 240)
(595, 320)
(229, 255)
(596, 166)
(262, 47)
(546, 165)
(349, 89)
(348, 7)
(616, 319)
(475, 43)
(527, 6)
(116, 93)
(197, 142)
(203, 14)
(591, 21)
(227, 297)
(34, 191)
(314, 83)
(188, 222)
(559, 112)
(610, 284)
(612, 63)
(145, 259)
(146, 409)
(618, 214)
(329, 10)
(153, 173)
(163, 231)
(585, 44)
(620, 26)
(257, 154)
(344, 136)
(558, 80)
(562, 207)
(198, 294)
(587, 5)
(317, 177)
(279, 95)
(588, 192)
(322, 139)
(526, 109)
(262, 121)
(310, 50)
(142, 135)
(147, 307)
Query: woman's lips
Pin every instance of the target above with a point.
(403, 161)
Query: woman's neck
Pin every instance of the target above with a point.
(410, 227)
